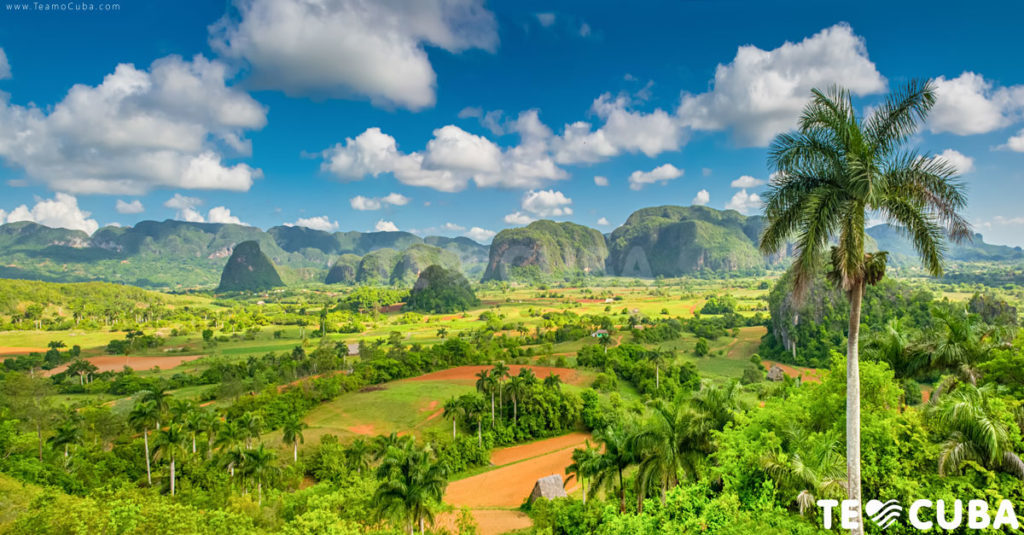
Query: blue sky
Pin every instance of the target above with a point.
(458, 117)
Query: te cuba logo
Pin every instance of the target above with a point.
(922, 514)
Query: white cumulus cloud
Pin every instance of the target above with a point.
(761, 92)
(744, 203)
(60, 212)
(624, 130)
(451, 159)
(320, 222)
(963, 164)
(545, 19)
(518, 218)
(601, 180)
(1016, 143)
(747, 181)
(603, 222)
(546, 203)
(133, 207)
(168, 126)
(221, 214)
(385, 226)
(661, 174)
(351, 48)
(480, 235)
(362, 203)
(969, 104)
(702, 198)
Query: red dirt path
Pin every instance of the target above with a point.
(468, 374)
(511, 454)
(13, 350)
(115, 363)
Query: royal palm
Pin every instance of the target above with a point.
(835, 173)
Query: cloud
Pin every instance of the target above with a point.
(661, 174)
(137, 130)
(761, 92)
(601, 180)
(744, 203)
(624, 130)
(969, 104)
(220, 214)
(451, 159)
(321, 222)
(702, 198)
(1016, 143)
(518, 218)
(603, 222)
(585, 30)
(546, 203)
(187, 211)
(351, 48)
(545, 19)
(706, 171)
(747, 181)
(452, 227)
(5, 67)
(480, 235)
(60, 212)
(963, 164)
(385, 226)
(362, 203)
(134, 207)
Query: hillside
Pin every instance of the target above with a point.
(902, 254)
(178, 255)
(545, 248)
(671, 241)
(248, 270)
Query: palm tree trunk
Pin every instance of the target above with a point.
(193, 443)
(492, 408)
(145, 440)
(295, 451)
(853, 404)
(480, 431)
(622, 494)
(259, 490)
(657, 377)
(583, 483)
(515, 411)
(453, 428)
(421, 525)
(172, 476)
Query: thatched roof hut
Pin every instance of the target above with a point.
(548, 487)
(776, 373)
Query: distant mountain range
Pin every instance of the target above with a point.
(666, 241)
(177, 254)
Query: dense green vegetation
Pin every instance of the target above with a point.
(545, 249)
(441, 290)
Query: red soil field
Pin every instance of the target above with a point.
(511, 454)
(467, 374)
(509, 485)
(11, 350)
(114, 363)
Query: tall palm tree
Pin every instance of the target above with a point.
(454, 410)
(143, 417)
(527, 375)
(553, 381)
(411, 486)
(807, 467)
(833, 173)
(251, 425)
(292, 434)
(259, 466)
(472, 406)
(974, 432)
(617, 455)
(517, 388)
(170, 444)
(68, 434)
(358, 454)
(161, 399)
(960, 343)
(584, 465)
(675, 441)
(500, 372)
(894, 346)
(383, 444)
(486, 383)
